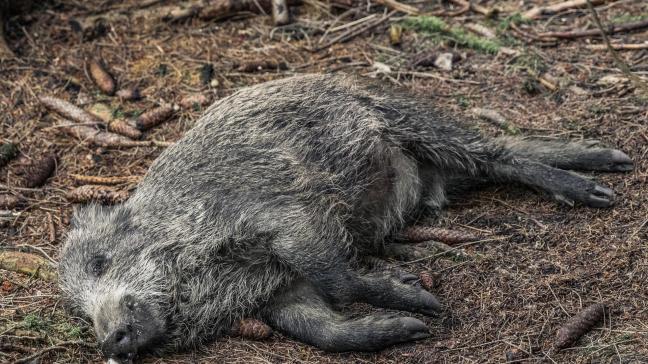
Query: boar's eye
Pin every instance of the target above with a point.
(97, 265)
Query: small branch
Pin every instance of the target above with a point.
(557, 7)
(611, 29)
(619, 46)
(638, 82)
(395, 5)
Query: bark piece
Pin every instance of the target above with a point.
(101, 194)
(251, 329)
(101, 77)
(579, 325)
(26, 263)
(154, 117)
(425, 233)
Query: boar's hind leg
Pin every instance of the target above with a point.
(584, 156)
(301, 312)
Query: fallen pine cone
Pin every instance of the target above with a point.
(428, 281)
(154, 117)
(101, 194)
(424, 233)
(120, 126)
(100, 180)
(8, 151)
(68, 110)
(94, 136)
(8, 201)
(260, 65)
(251, 329)
(579, 325)
(129, 94)
(195, 101)
(101, 77)
(36, 173)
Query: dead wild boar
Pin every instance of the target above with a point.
(265, 208)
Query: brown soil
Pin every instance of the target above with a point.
(508, 295)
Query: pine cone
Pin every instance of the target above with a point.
(428, 281)
(101, 180)
(36, 173)
(195, 101)
(251, 329)
(101, 77)
(119, 126)
(101, 194)
(579, 325)
(424, 233)
(8, 151)
(153, 117)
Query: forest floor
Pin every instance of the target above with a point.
(506, 296)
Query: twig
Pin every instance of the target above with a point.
(557, 7)
(638, 82)
(611, 29)
(354, 32)
(395, 5)
(57, 347)
(619, 46)
(472, 5)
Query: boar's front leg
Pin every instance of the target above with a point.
(301, 312)
(324, 262)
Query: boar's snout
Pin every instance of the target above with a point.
(126, 329)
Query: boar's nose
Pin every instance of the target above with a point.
(120, 344)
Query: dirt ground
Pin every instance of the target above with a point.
(540, 264)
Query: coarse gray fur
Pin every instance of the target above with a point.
(265, 206)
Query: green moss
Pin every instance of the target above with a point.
(33, 322)
(439, 30)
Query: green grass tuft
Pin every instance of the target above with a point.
(439, 30)
(33, 322)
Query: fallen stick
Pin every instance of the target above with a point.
(611, 29)
(69, 111)
(539, 11)
(395, 5)
(619, 46)
(26, 263)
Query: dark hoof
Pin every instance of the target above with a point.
(430, 306)
(619, 162)
(600, 197)
(415, 329)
